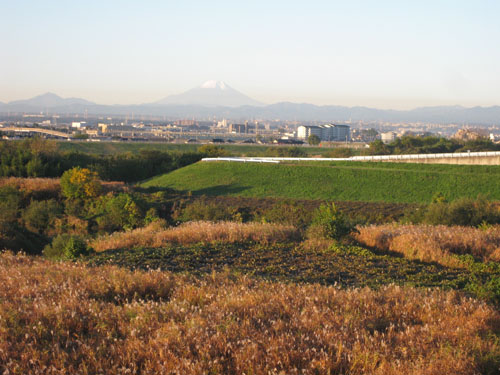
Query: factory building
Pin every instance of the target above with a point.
(327, 132)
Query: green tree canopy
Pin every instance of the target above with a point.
(313, 140)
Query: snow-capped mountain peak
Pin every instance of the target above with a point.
(210, 94)
(214, 85)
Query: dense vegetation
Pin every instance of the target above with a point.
(41, 158)
(429, 145)
(343, 181)
(403, 145)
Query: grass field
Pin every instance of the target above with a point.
(64, 318)
(121, 147)
(343, 181)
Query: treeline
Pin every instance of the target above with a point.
(40, 158)
(429, 145)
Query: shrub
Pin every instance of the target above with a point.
(288, 213)
(464, 211)
(206, 211)
(339, 152)
(40, 215)
(80, 183)
(66, 246)
(213, 151)
(284, 152)
(9, 207)
(313, 140)
(328, 222)
(119, 212)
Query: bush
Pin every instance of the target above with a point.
(285, 152)
(206, 211)
(66, 246)
(464, 211)
(80, 183)
(313, 140)
(10, 199)
(339, 152)
(118, 212)
(328, 222)
(288, 213)
(212, 151)
(40, 215)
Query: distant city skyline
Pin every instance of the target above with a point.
(380, 54)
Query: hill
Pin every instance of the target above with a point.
(343, 181)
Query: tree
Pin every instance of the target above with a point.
(40, 215)
(313, 140)
(80, 183)
(10, 200)
(378, 147)
(119, 212)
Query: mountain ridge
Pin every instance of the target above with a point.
(476, 115)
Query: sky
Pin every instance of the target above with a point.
(385, 54)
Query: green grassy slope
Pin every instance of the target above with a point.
(343, 181)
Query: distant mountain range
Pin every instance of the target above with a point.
(215, 98)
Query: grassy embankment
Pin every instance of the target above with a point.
(342, 181)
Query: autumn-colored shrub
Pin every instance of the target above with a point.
(155, 235)
(434, 243)
(65, 318)
(80, 183)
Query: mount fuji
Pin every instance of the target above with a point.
(210, 94)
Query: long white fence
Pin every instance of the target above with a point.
(359, 158)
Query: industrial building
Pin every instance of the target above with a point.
(327, 132)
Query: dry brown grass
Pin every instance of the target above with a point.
(155, 235)
(434, 243)
(31, 184)
(63, 318)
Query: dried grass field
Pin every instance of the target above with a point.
(66, 318)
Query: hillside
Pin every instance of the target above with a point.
(344, 181)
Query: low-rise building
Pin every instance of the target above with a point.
(388, 137)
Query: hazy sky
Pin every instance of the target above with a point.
(380, 53)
